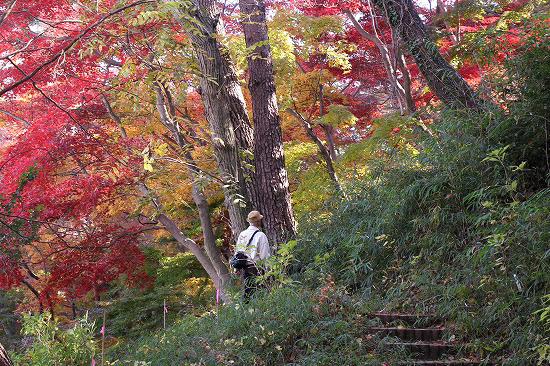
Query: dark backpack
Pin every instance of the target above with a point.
(240, 259)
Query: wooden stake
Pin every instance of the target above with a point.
(103, 340)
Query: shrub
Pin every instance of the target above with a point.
(52, 345)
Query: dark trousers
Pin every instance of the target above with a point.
(248, 280)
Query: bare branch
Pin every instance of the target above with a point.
(16, 117)
(7, 12)
(114, 116)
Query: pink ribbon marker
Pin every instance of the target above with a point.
(102, 331)
(165, 309)
(93, 362)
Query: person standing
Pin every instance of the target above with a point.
(254, 244)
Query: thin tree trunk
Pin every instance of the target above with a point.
(196, 191)
(329, 133)
(440, 10)
(269, 161)
(322, 149)
(33, 290)
(406, 82)
(7, 12)
(447, 84)
(114, 116)
(457, 10)
(4, 357)
(386, 58)
(328, 129)
(212, 263)
(186, 242)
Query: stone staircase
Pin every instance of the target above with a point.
(422, 337)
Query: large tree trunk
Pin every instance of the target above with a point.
(224, 106)
(4, 357)
(271, 176)
(447, 84)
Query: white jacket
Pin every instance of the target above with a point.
(259, 246)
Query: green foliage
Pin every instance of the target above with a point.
(310, 28)
(449, 235)
(459, 228)
(338, 116)
(338, 55)
(278, 265)
(543, 349)
(307, 175)
(9, 321)
(179, 280)
(53, 345)
(390, 132)
(280, 327)
(526, 129)
(457, 223)
(282, 53)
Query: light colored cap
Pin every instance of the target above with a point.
(254, 216)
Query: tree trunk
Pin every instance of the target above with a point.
(224, 106)
(329, 133)
(406, 82)
(386, 58)
(212, 263)
(36, 294)
(271, 176)
(328, 129)
(186, 242)
(4, 357)
(322, 150)
(196, 191)
(447, 84)
(114, 116)
(440, 12)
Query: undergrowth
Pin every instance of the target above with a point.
(286, 326)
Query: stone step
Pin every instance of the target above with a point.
(429, 350)
(409, 334)
(405, 318)
(447, 363)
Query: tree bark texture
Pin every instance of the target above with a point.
(225, 109)
(447, 84)
(269, 162)
(4, 357)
